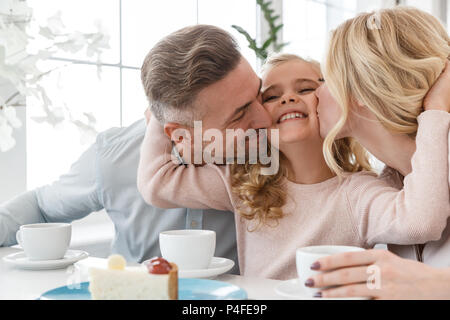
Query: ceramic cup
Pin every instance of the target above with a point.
(45, 241)
(189, 249)
(306, 256)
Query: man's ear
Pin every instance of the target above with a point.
(176, 132)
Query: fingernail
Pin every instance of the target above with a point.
(318, 295)
(309, 283)
(315, 266)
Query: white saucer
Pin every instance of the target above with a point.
(20, 260)
(217, 267)
(293, 289)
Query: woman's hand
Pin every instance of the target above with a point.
(438, 98)
(379, 274)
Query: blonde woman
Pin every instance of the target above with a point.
(305, 203)
(379, 67)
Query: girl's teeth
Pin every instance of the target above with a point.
(292, 116)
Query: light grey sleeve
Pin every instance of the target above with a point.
(23, 209)
(73, 196)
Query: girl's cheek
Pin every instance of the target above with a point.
(269, 107)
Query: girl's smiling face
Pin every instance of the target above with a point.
(288, 95)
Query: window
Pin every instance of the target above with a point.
(307, 23)
(134, 26)
(117, 98)
(420, 4)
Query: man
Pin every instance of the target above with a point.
(198, 73)
(104, 177)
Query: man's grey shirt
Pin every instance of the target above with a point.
(104, 177)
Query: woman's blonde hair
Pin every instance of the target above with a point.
(263, 196)
(387, 61)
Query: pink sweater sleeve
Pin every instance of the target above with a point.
(166, 184)
(418, 213)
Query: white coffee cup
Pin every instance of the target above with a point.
(305, 257)
(189, 249)
(45, 241)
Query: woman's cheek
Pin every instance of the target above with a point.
(323, 127)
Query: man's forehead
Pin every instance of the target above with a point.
(236, 89)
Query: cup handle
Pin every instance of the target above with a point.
(19, 237)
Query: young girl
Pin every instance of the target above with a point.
(305, 203)
(379, 77)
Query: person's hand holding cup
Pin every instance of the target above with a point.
(306, 259)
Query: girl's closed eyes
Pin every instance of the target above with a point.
(306, 87)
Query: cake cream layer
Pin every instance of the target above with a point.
(133, 283)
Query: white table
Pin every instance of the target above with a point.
(18, 284)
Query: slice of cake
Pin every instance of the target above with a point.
(157, 280)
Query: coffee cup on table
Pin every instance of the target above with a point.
(189, 249)
(44, 241)
(306, 256)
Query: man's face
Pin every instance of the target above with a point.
(233, 103)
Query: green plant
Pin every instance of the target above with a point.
(263, 51)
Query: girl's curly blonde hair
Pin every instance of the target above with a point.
(263, 196)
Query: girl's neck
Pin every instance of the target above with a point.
(305, 163)
(393, 149)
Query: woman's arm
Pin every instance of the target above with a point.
(379, 274)
(438, 98)
(166, 184)
(418, 213)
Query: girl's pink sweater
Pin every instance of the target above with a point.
(361, 210)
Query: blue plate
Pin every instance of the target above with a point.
(188, 289)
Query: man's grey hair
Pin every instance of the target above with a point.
(180, 65)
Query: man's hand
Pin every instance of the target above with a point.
(379, 274)
(438, 98)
